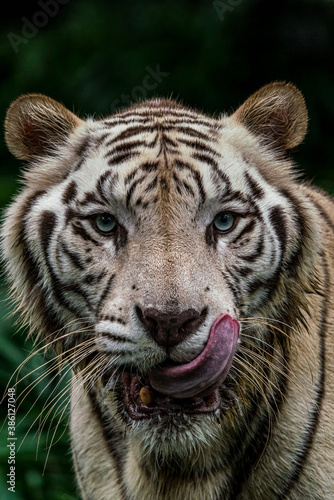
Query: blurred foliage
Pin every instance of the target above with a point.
(215, 54)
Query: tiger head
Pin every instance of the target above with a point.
(151, 247)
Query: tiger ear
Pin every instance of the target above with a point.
(35, 125)
(277, 114)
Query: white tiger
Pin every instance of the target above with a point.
(179, 267)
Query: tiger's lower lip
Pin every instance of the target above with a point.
(205, 373)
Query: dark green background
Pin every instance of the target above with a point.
(92, 52)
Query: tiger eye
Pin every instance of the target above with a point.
(105, 223)
(224, 221)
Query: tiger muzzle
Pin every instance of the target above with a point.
(191, 388)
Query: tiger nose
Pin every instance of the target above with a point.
(168, 330)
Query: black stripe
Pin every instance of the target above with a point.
(211, 236)
(112, 438)
(31, 267)
(74, 258)
(147, 118)
(278, 220)
(99, 140)
(180, 183)
(304, 449)
(89, 198)
(198, 178)
(163, 112)
(130, 132)
(168, 141)
(80, 231)
(121, 158)
(78, 165)
(47, 224)
(254, 186)
(233, 289)
(140, 130)
(152, 185)
(110, 177)
(92, 279)
(246, 460)
(247, 229)
(149, 166)
(181, 165)
(222, 177)
(194, 133)
(104, 294)
(75, 288)
(69, 193)
(195, 175)
(152, 144)
(198, 145)
(188, 188)
(243, 271)
(121, 238)
(295, 260)
(126, 147)
(257, 253)
(84, 147)
(50, 320)
(269, 284)
(130, 176)
(116, 338)
(132, 188)
(206, 159)
(111, 318)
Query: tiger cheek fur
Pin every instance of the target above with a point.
(183, 272)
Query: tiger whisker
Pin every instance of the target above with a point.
(249, 369)
(45, 406)
(56, 428)
(60, 395)
(274, 327)
(250, 355)
(283, 369)
(252, 318)
(52, 360)
(43, 348)
(33, 384)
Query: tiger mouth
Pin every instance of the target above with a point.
(142, 401)
(185, 388)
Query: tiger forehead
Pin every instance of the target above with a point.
(148, 156)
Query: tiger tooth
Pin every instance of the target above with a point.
(146, 396)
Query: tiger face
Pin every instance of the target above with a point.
(150, 246)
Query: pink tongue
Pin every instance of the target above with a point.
(206, 372)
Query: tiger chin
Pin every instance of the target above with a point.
(178, 266)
